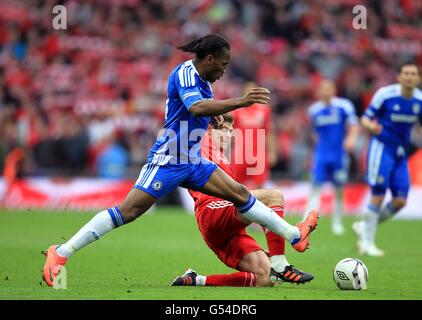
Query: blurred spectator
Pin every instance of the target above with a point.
(72, 146)
(45, 151)
(113, 161)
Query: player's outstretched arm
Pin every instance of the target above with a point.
(351, 138)
(208, 108)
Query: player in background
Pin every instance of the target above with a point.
(175, 159)
(335, 126)
(392, 113)
(254, 126)
(224, 229)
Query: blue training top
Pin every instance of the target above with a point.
(330, 123)
(396, 114)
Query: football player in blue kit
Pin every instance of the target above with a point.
(392, 113)
(175, 158)
(335, 125)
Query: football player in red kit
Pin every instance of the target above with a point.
(254, 144)
(224, 230)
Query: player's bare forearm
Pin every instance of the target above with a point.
(353, 130)
(210, 108)
(351, 137)
(365, 122)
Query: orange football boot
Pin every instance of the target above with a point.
(305, 229)
(53, 265)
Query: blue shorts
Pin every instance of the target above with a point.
(330, 169)
(387, 169)
(159, 179)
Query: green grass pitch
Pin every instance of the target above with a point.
(138, 261)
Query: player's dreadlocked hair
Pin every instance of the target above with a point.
(203, 46)
(228, 117)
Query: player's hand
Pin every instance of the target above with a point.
(256, 95)
(219, 119)
(374, 127)
(349, 144)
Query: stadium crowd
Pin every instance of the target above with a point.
(80, 98)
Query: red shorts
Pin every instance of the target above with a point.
(224, 233)
(252, 181)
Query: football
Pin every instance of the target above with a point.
(350, 274)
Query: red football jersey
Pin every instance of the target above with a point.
(249, 120)
(211, 152)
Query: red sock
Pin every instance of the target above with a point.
(237, 279)
(276, 244)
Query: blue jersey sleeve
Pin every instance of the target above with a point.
(349, 108)
(190, 95)
(376, 104)
(188, 87)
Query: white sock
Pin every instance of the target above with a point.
(98, 226)
(200, 280)
(338, 206)
(313, 202)
(279, 262)
(369, 229)
(255, 211)
(387, 212)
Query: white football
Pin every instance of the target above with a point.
(350, 274)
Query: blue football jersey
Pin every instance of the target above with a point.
(182, 134)
(396, 114)
(330, 124)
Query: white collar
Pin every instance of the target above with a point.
(190, 63)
